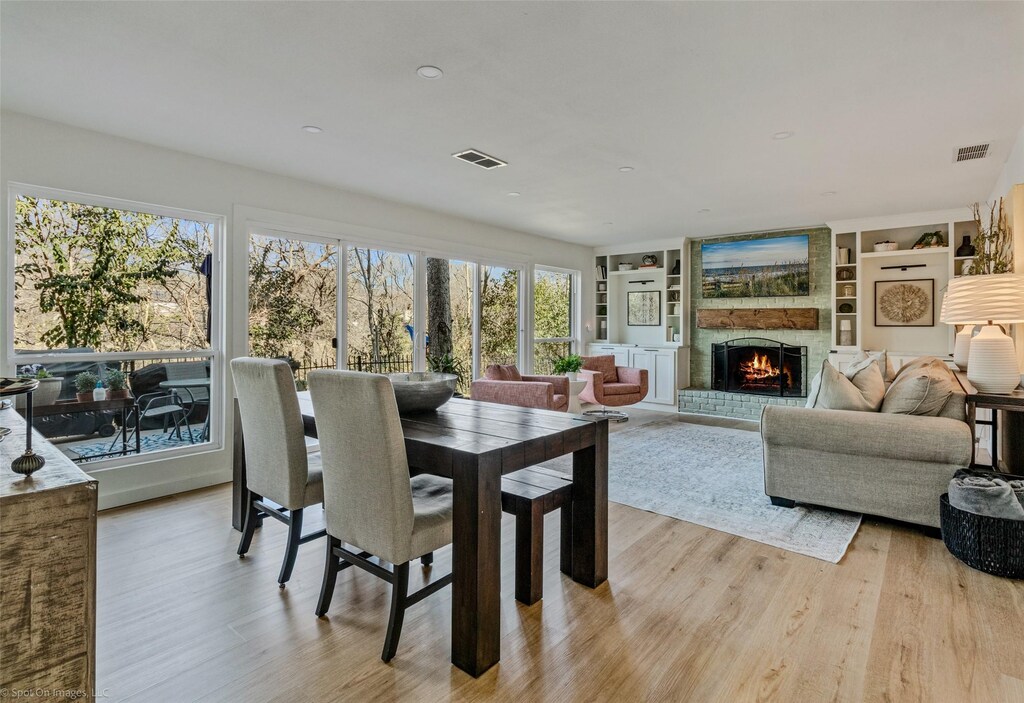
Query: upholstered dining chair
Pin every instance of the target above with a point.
(502, 383)
(611, 385)
(371, 502)
(278, 467)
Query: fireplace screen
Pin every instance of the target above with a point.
(760, 366)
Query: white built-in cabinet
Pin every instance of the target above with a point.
(855, 277)
(662, 365)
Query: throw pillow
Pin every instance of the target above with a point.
(884, 363)
(832, 390)
(922, 390)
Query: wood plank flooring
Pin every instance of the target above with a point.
(688, 614)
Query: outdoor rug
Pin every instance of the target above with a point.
(150, 443)
(713, 476)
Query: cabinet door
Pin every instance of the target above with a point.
(622, 357)
(663, 385)
(644, 359)
(601, 349)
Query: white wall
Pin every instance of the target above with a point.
(43, 153)
(1013, 169)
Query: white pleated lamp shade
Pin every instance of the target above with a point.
(984, 300)
(974, 300)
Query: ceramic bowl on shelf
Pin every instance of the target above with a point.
(625, 267)
(887, 246)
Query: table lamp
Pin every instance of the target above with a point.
(962, 341)
(986, 300)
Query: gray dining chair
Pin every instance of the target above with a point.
(277, 465)
(371, 502)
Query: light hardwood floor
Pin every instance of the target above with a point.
(688, 614)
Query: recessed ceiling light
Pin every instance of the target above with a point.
(703, 211)
(312, 129)
(782, 135)
(431, 73)
(625, 169)
(514, 194)
(828, 193)
(609, 223)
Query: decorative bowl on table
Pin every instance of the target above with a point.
(423, 390)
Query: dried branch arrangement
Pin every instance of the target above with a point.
(994, 244)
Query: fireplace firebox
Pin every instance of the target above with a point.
(759, 366)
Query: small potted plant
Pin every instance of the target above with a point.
(448, 363)
(117, 384)
(85, 382)
(49, 386)
(569, 365)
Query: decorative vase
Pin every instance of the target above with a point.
(965, 248)
(571, 375)
(675, 269)
(992, 363)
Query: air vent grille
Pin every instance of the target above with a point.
(969, 153)
(480, 159)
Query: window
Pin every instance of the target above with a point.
(381, 310)
(499, 315)
(450, 318)
(554, 316)
(113, 293)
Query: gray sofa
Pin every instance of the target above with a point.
(884, 464)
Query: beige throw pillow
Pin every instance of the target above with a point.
(884, 363)
(832, 390)
(922, 388)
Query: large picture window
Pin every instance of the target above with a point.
(119, 298)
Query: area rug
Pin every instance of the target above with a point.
(149, 443)
(713, 476)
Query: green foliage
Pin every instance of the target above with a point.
(499, 316)
(91, 275)
(569, 364)
(86, 381)
(116, 380)
(552, 305)
(43, 373)
(449, 363)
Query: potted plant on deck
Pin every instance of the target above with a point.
(49, 386)
(85, 382)
(569, 365)
(117, 384)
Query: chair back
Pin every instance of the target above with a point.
(275, 444)
(367, 494)
(181, 370)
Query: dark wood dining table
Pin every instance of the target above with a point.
(474, 444)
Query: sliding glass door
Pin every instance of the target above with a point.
(293, 301)
(381, 310)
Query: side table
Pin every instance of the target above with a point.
(575, 388)
(1010, 403)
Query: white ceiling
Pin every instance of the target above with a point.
(689, 94)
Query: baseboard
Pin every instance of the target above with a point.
(135, 494)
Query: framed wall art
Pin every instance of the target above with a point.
(643, 308)
(905, 303)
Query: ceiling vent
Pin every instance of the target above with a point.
(969, 153)
(480, 159)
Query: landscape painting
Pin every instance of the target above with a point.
(756, 268)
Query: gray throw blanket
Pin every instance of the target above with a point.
(987, 495)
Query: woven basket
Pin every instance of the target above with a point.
(990, 544)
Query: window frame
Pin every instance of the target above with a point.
(575, 310)
(214, 353)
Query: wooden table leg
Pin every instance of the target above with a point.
(590, 510)
(476, 562)
(239, 487)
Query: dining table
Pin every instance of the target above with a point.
(474, 444)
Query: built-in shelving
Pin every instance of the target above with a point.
(944, 251)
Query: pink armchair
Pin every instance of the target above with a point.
(611, 385)
(504, 384)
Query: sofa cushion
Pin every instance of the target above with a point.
(922, 388)
(502, 372)
(621, 389)
(604, 364)
(832, 390)
(884, 363)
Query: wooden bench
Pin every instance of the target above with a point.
(530, 494)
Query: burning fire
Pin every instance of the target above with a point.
(759, 368)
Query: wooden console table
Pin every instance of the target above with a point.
(47, 573)
(1012, 402)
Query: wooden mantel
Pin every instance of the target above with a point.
(758, 318)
